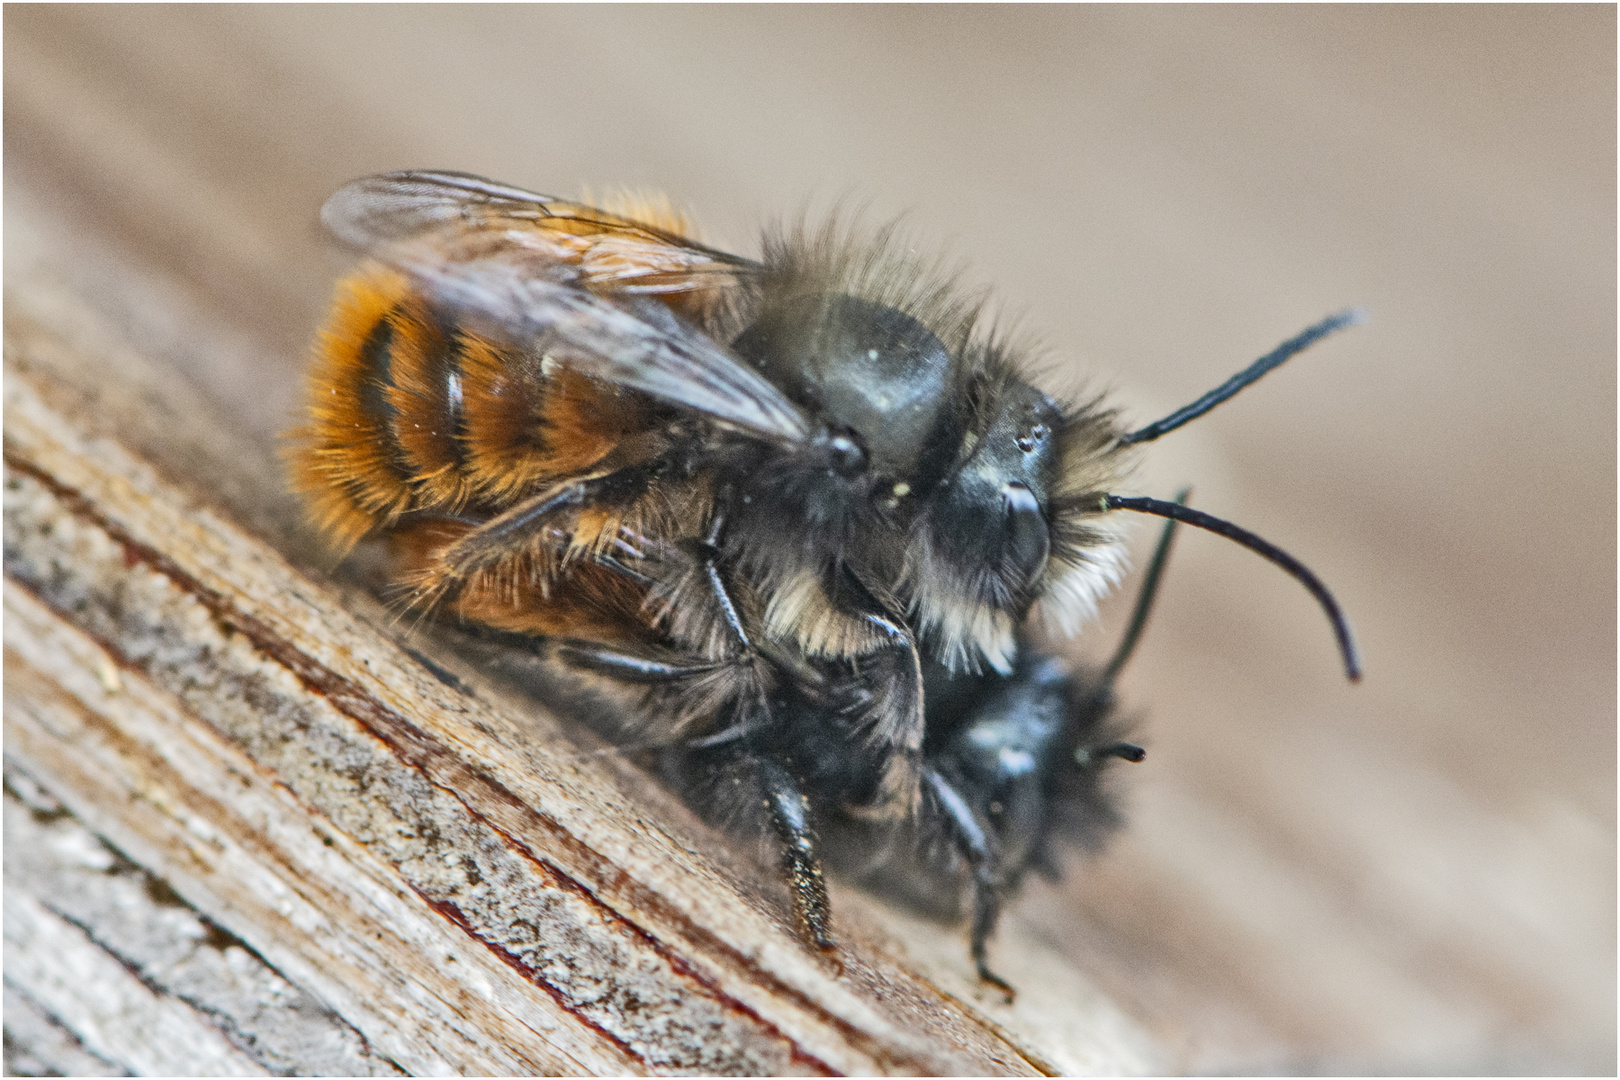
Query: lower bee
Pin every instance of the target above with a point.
(789, 502)
(1012, 764)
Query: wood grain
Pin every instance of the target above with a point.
(453, 880)
(1413, 875)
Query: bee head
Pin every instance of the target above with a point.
(970, 609)
(996, 501)
(1014, 521)
(939, 472)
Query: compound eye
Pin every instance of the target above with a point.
(1029, 541)
(847, 454)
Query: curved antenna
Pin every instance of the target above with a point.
(1144, 598)
(1293, 346)
(1266, 550)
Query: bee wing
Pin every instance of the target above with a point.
(612, 252)
(573, 282)
(531, 302)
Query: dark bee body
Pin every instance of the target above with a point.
(1010, 763)
(799, 509)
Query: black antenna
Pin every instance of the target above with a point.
(1252, 373)
(1265, 549)
(1144, 598)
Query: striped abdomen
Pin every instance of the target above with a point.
(409, 413)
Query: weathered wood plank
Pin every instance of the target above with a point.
(72, 975)
(1414, 875)
(154, 937)
(456, 881)
(37, 1043)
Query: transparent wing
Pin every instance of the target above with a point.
(537, 305)
(610, 251)
(569, 283)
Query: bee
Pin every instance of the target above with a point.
(785, 502)
(1011, 761)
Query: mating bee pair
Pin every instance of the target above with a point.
(801, 507)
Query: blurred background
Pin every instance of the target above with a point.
(1416, 874)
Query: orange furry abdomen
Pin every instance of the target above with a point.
(411, 413)
(539, 591)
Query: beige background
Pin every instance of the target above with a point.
(1414, 874)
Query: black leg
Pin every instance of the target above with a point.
(894, 716)
(750, 679)
(886, 710)
(789, 815)
(975, 847)
(717, 586)
(682, 682)
(901, 723)
(626, 666)
(707, 552)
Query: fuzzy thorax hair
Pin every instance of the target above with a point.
(1000, 510)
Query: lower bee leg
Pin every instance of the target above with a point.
(789, 816)
(986, 910)
(902, 714)
(974, 845)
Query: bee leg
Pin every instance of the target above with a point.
(722, 596)
(893, 707)
(895, 701)
(708, 554)
(746, 657)
(625, 666)
(974, 845)
(789, 814)
(618, 567)
(514, 530)
(901, 717)
(784, 804)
